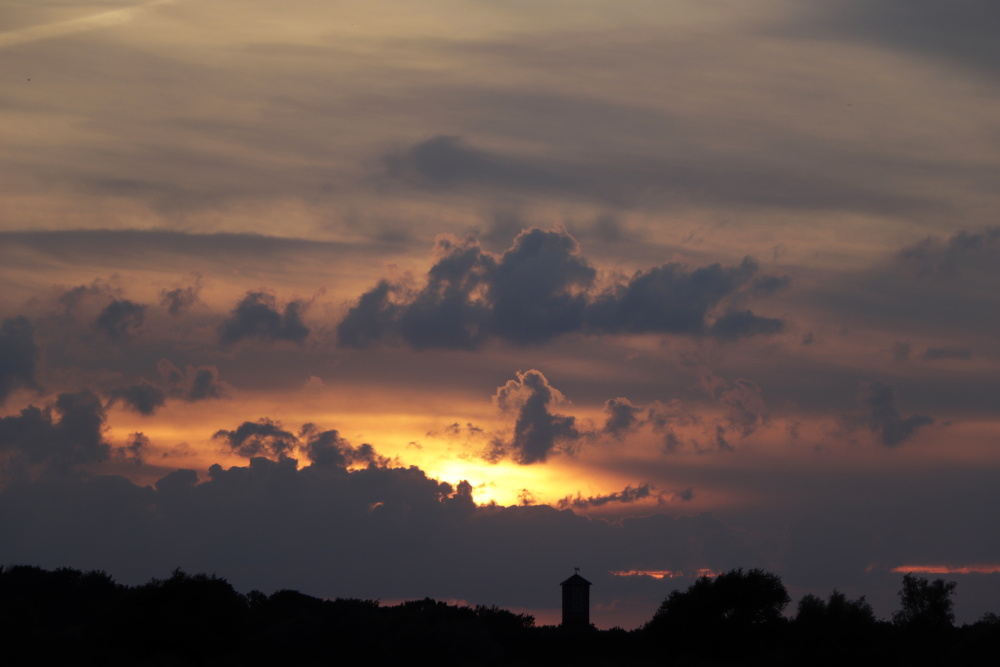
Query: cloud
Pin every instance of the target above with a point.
(926, 28)
(180, 299)
(77, 25)
(937, 353)
(734, 325)
(883, 416)
(18, 356)
(257, 316)
(449, 163)
(324, 448)
(541, 288)
(537, 431)
(963, 252)
(263, 437)
(668, 299)
(745, 409)
(327, 449)
(121, 319)
(135, 449)
(626, 496)
(61, 436)
(622, 416)
(141, 397)
(194, 383)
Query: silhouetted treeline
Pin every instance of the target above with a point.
(738, 618)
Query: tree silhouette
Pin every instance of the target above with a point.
(744, 607)
(927, 605)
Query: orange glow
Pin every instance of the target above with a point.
(665, 574)
(948, 569)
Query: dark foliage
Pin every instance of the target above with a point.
(84, 618)
(743, 606)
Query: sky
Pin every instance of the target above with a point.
(377, 300)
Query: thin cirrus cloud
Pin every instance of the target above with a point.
(98, 21)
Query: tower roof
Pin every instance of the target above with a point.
(576, 580)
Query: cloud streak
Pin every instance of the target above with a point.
(83, 24)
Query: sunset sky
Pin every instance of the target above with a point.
(390, 300)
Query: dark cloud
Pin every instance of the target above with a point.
(179, 299)
(668, 299)
(271, 525)
(901, 351)
(627, 495)
(537, 431)
(745, 409)
(324, 448)
(883, 416)
(448, 161)
(542, 288)
(964, 251)
(960, 34)
(18, 356)
(141, 397)
(452, 164)
(937, 286)
(622, 416)
(205, 384)
(73, 298)
(537, 288)
(685, 495)
(257, 316)
(121, 319)
(193, 383)
(936, 353)
(666, 417)
(327, 449)
(734, 325)
(60, 436)
(768, 285)
(263, 437)
(135, 449)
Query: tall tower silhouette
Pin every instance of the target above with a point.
(576, 602)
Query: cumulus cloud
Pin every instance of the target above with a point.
(537, 431)
(541, 288)
(193, 383)
(324, 448)
(622, 416)
(883, 416)
(179, 299)
(59, 436)
(263, 437)
(259, 316)
(18, 356)
(121, 319)
(327, 449)
(962, 252)
(142, 397)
